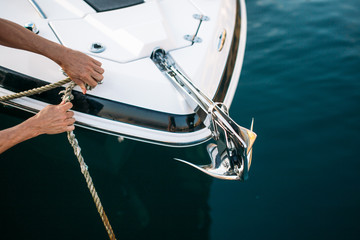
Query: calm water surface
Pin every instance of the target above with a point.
(301, 83)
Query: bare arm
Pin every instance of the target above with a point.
(80, 67)
(52, 119)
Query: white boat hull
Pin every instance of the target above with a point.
(136, 100)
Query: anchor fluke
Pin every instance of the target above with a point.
(230, 164)
(218, 168)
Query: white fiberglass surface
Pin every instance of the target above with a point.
(137, 82)
(207, 65)
(130, 33)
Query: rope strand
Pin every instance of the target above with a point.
(67, 97)
(35, 90)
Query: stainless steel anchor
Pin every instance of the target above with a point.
(232, 154)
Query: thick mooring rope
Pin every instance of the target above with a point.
(35, 90)
(67, 97)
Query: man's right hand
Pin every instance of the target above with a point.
(81, 68)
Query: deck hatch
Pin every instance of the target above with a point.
(108, 5)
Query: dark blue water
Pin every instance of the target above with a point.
(301, 83)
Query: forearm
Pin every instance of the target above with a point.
(16, 36)
(15, 135)
(81, 68)
(52, 119)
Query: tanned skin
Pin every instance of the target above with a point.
(53, 119)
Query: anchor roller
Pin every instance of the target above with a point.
(232, 154)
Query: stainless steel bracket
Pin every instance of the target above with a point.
(232, 154)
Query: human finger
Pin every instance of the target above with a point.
(80, 83)
(69, 121)
(97, 62)
(69, 128)
(99, 69)
(97, 77)
(66, 106)
(82, 86)
(69, 114)
(91, 81)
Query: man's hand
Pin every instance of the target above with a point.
(53, 119)
(81, 68)
(50, 120)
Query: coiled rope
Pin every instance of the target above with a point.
(67, 97)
